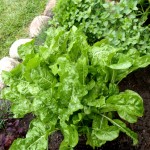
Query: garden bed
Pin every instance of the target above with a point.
(72, 86)
(138, 81)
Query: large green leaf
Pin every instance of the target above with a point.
(107, 134)
(122, 127)
(128, 104)
(36, 138)
(70, 137)
(102, 130)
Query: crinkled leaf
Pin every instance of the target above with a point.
(70, 136)
(128, 104)
(107, 134)
(36, 138)
(77, 118)
(97, 102)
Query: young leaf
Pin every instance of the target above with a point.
(70, 136)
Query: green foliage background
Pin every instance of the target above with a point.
(121, 23)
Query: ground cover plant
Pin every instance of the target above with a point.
(15, 17)
(119, 22)
(71, 85)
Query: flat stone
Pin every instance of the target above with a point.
(37, 25)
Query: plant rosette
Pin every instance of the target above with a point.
(73, 87)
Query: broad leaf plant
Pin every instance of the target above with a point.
(71, 85)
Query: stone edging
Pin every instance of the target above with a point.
(38, 23)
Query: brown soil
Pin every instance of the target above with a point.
(13, 129)
(138, 81)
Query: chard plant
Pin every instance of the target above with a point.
(73, 87)
(70, 83)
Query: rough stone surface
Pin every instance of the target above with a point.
(50, 5)
(7, 64)
(2, 85)
(37, 25)
(13, 51)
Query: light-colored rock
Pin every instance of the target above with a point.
(37, 25)
(13, 51)
(2, 85)
(7, 64)
(50, 5)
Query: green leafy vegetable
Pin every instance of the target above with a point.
(70, 83)
(72, 87)
(121, 23)
(128, 105)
